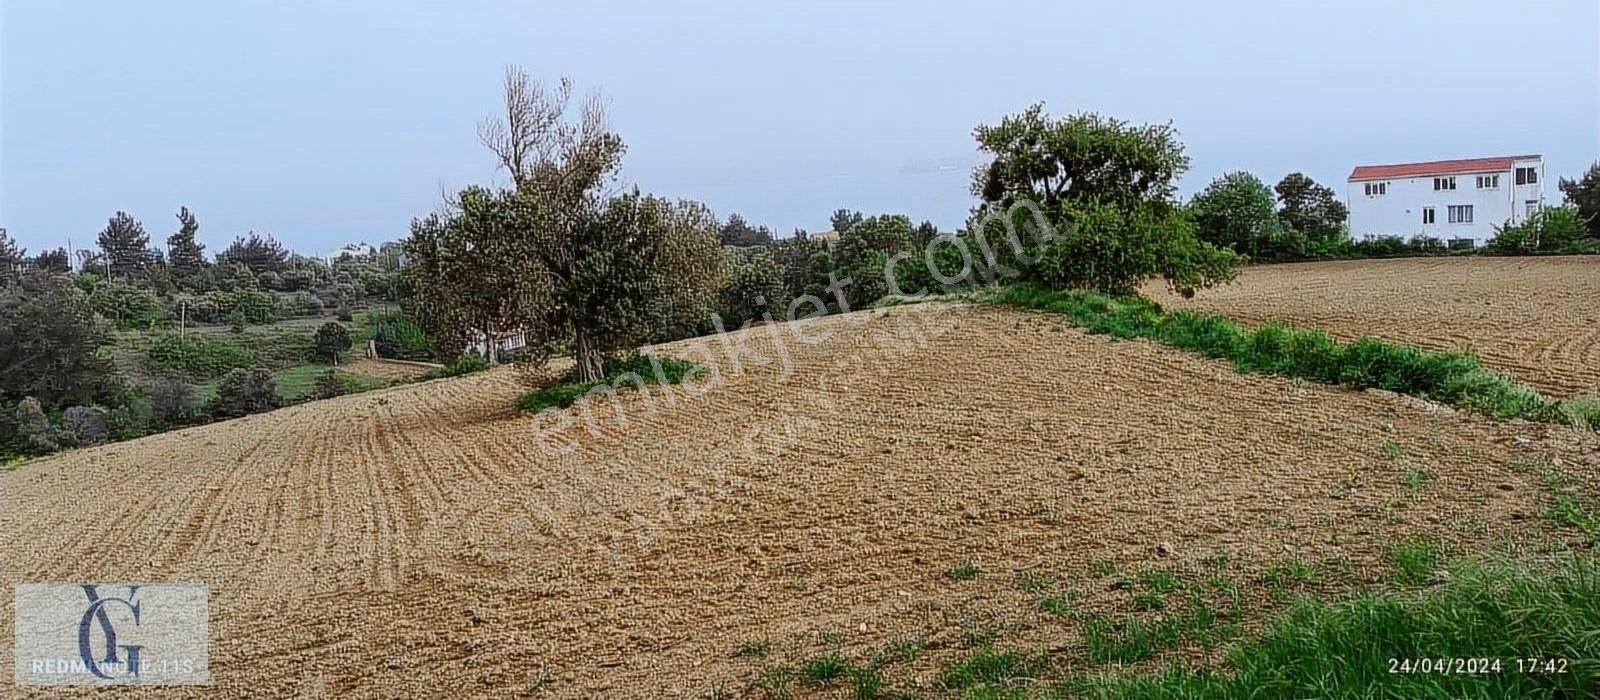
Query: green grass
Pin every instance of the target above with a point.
(1415, 560)
(1455, 378)
(1343, 650)
(991, 669)
(617, 373)
(299, 383)
(962, 571)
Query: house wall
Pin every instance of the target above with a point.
(1399, 212)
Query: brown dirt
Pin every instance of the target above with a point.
(418, 541)
(369, 367)
(1537, 319)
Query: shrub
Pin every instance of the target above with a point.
(330, 384)
(173, 401)
(332, 339)
(128, 307)
(198, 357)
(33, 427)
(397, 337)
(82, 426)
(672, 371)
(245, 391)
(1381, 247)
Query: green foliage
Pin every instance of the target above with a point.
(244, 391)
(755, 287)
(128, 307)
(739, 233)
(173, 401)
(1105, 188)
(1453, 377)
(125, 246)
(330, 383)
(11, 258)
(34, 432)
(1236, 211)
(1312, 210)
(50, 342)
(186, 254)
(990, 669)
(1549, 230)
(398, 338)
(332, 340)
(199, 357)
(256, 253)
(1318, 649)
(962, 571)
(1584, 195)
(648, 369)
(50, 261)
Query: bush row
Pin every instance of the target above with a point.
(1453, 377)
(671, 371)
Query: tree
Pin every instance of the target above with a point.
(11, 257)
(125, 245)
(260, 254)
(50, 341)
(738, 232)
(185, 254)
(863, 251)
(1312, 209)
(331, 340)
(245, 391)
(1237, 211)
(602, 271)
(843, 219)
(1105, 188)
(1084, 157)
(755, 286)
(54, 261)
(465, 270)
(1584, 193)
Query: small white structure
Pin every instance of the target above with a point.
(504, 344)
(1458, 201)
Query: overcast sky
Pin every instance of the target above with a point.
(328, 122)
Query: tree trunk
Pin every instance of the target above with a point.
(586, 356)
(491, 349)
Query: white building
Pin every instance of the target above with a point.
(1456, 201)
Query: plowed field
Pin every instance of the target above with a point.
(428, 540)
(1537, 319)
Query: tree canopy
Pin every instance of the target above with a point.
(1311, 209)
(125, 245)
(1584, 193)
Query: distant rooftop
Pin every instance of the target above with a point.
(1435, 167)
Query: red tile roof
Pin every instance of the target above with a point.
(1434, 167)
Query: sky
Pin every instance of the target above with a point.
(326, 122)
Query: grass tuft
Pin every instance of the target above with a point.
(617, 371)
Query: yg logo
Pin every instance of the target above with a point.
(112, 633)
(96, 613)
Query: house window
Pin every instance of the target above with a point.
(1444, 183)
(1461, 213)
(1527, 176)
(1532, 205)
(1488, 182)
(1427, 215)
(1375, 189)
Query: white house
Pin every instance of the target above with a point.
(1458, 201)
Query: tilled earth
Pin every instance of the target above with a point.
(429, 540)
(1536, 318)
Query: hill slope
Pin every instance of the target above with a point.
(422, 540)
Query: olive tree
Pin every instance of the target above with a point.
(1105, 188)
(599, 270)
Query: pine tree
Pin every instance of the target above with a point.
(54, 261)
(185, 254)
(125, 244)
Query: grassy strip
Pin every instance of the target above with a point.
(648, 369)
(1496, 613)
(1454, 378)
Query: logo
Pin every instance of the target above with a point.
(111, 634)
